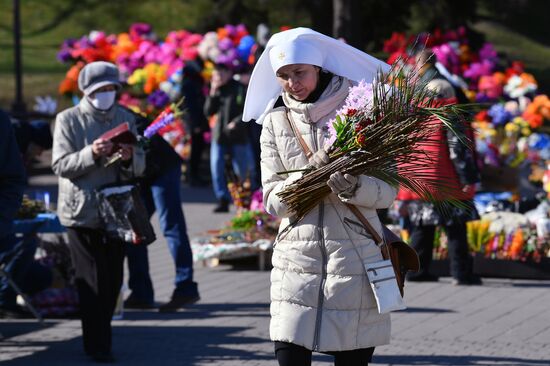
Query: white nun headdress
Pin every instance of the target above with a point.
(303, 46)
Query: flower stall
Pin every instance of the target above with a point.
(250, 233)
(513, 150)
(151, 66)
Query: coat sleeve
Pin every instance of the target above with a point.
(372, 193)
(67, 161)
(212, 104)
(271, 163)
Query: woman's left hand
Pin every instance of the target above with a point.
(342, 183)
(126, 152)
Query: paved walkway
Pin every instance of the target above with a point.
(503, 322)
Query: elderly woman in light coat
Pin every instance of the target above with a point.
(321, 299)
(79, 159)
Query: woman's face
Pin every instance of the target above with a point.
(299, 80)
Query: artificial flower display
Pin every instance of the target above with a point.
(511, 132)
(150, 65)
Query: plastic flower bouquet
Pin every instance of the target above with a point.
(382, 131)
(170, 126)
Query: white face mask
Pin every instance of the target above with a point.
(103, 100)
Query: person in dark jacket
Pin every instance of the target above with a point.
(229, 134)
(192, 85)
(15, 258)
(161, 185)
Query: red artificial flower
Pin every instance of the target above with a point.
(483, 116)
(397, 42)
(396, 56)
(351, 112)
(361, 140)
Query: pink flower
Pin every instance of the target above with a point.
(447, 56)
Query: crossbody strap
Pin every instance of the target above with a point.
(366, 224)
(377, 238)
(298, 135)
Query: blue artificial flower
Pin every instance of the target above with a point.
(499, 115)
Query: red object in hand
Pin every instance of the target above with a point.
(121, 134)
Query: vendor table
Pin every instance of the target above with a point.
(46, 222)
(211, 253)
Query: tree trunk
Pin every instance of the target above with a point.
(344, 22)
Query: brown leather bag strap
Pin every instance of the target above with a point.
(298, 135)
(377, 238)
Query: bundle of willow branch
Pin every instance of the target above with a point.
(390, 144)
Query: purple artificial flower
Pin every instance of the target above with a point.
(64, 55)
(483, 98)
(479, 69)
(157, 125)
(69, 43)
(225, 44)
(487, 52)
(158, 99)
(230, 29)
(140, 29)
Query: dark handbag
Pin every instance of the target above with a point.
(403, 257)
(123, 214)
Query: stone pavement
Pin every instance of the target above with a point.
(503, 322)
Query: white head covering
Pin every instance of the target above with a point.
(303, 46)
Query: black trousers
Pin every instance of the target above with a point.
(97, 307)
(422, 240)
(289, 354)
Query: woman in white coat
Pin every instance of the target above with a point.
(321, 299)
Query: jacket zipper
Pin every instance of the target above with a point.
(321, 295)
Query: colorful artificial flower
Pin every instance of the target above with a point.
(499, 115)
(520, 85)
(538, 111)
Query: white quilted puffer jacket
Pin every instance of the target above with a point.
(320, 295)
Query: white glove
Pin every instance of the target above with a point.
(342, 183)
(319, 159)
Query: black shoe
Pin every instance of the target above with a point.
(423, 278)
(472, 280)
(102, 357)
(133, 303)
(223, 206)
(177, 302)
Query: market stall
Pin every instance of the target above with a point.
(513, 152)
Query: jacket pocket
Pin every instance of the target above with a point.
(75, 201)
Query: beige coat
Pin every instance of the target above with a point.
(320, 296)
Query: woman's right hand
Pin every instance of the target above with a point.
(101, 147)
(319, 159)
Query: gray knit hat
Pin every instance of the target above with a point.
(97, 74)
